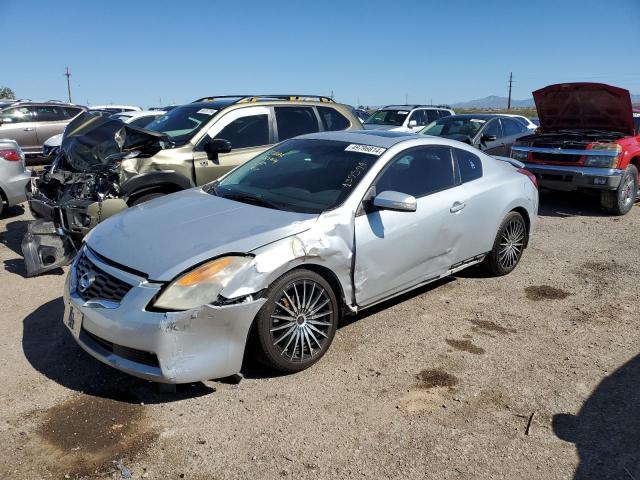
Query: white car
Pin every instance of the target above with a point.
(521, 118)
(405, 118)
(138, 118)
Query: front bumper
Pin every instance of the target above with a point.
(168, 347)
(568, 178)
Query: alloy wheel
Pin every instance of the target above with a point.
(511, 243)
(301, 320)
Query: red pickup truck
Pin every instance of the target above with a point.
(589, 138)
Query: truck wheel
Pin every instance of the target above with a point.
(508, 246)
(146, 198)
(298, 321)
(620, 201)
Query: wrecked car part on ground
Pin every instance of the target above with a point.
(81, 188)
(318, 226)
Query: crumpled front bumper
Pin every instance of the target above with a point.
(45, 247)
(168, 347)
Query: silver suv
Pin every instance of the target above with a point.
(406, 118)
(30, 124)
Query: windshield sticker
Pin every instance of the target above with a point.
(370, 149)
(355, 173)
(402, 112)
(207, 111)
(477, 120)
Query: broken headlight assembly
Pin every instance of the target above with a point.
(201, 285)
(608, 156)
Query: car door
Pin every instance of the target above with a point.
(512, 129)
(490, 138)
(249, 131)
(18, 123)
(50, 120)
(395, 250)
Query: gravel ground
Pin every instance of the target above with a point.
(534, 375)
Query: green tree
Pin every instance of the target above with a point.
(6, 92)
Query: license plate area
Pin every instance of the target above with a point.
(74, 321)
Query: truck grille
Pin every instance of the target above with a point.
(555, 157)
(103, 287)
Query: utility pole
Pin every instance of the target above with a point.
(68, 75)
(510, 84)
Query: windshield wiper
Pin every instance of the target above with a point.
(251, 199)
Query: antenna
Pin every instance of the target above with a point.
(68, 75)
(510, 85)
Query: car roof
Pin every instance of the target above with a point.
(376, 138)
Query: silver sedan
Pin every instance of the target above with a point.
(284, 246)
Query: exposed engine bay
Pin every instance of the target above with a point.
(82, 187)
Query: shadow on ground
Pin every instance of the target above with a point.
(51, 350)
(570, 204)
(606, 431)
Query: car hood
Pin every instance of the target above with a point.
(93, 142)
(593, 106)
(166, 236)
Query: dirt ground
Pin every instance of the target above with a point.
(530, 376)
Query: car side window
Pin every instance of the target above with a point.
(17, 115)
(512, 127)
(493, 128)
(419, 117)
(294, 121)
(49, 113)
(469, 165)
(419, 171)
(444, 113)
(432, 115)
(71, 112)
(245, 132)
(332, 119)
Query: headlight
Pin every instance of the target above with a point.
(200, 285)
(519, 155)
(609, 158)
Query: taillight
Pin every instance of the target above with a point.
(531, 176)
(10, 155)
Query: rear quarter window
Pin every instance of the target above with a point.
(469, 165)
(294, 121)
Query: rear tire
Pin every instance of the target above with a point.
(621, 200)
(508, 246)
(296, 325)
(146, 198)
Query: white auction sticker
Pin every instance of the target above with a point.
(207, 111)
(370, 149)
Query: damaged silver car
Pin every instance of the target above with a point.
(284, 246)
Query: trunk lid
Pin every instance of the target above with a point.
(585, 106)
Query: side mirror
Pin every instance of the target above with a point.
(413, 123)
(400, 202)
(215, 146)
(488, 138)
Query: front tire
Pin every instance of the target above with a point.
(620, 201)
(508, 245)
(296, 325)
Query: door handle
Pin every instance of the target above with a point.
(457, 206)
(28, 129)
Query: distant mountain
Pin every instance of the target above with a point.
(494, 101)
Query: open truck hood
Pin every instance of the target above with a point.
(591, 106)
(91, 141)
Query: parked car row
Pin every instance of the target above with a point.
(301, 216)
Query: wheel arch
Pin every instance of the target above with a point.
(166, 181)
(330, 277)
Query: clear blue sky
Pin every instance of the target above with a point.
(136, 52)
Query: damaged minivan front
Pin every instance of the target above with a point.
(83, 186)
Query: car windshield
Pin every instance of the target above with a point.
(299, 175)
(387, 117)
(453, 125)
(182, 123)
